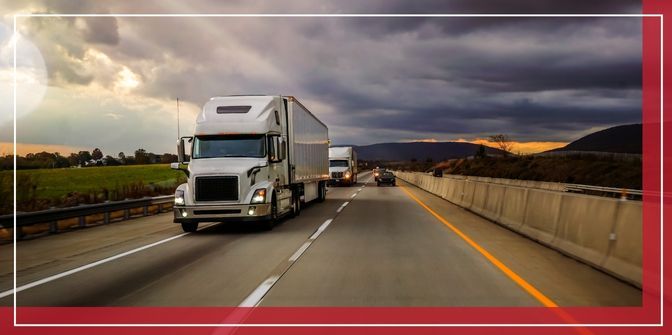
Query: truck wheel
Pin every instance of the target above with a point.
(321, 192)
(296, 206)
(269, 224)
(189, 227)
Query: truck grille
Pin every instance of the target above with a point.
(337, 175)
(217, 188)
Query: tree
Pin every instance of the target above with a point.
(110, 161)
(122, 157)
(84, 157)
(480, 152)
(73, 159)
(168, 158)
(503, 142)
(141, 156)
(97, 154)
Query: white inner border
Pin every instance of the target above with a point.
(660, 324)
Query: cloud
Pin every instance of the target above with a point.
(369, 79)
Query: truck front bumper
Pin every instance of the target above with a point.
(251, 212)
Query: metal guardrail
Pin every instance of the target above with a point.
(613, 192)
(622, 192)
(52, 216)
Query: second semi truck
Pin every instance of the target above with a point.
(343, 165)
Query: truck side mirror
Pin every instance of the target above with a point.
(180, 150)
(181, 156)
(282, 146)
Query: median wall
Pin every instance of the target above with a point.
(603, 232)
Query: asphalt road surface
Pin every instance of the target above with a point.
(364, 246)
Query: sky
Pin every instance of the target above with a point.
(112, 82)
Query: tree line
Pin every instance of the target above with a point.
(49, 160)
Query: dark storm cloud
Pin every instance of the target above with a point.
(102, 30)
(536, 79)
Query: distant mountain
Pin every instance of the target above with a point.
(619, 139)
(421, 151)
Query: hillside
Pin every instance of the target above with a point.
(619, 139)
(420, 151)
(588, 170)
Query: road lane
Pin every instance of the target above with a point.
(563, 279)
(368, 246)
(218, 266)
(385, 250)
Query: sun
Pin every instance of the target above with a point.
(127, 79)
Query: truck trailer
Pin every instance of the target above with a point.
(343, 166)
(252, 158)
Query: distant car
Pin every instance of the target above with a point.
(376, 173)
(437, 173)
(387, 177)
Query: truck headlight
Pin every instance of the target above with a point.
(179, 197)
(348, 174)
(259, 196)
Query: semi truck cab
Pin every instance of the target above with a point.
(250, 160)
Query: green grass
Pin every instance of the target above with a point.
(55, 183)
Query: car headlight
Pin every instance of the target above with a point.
(259, 196)
(348, 174)
(179, 197)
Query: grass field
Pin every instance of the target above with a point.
(43, 188)
(52, 183)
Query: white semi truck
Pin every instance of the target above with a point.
(343, 165)
(253, 158)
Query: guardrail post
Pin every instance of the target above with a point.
(53, 227)
(160, 208)
(127, 214)
(82, 221)
(145, 210)
(106, 218)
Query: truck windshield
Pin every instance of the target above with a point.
(338, 163)
(212, 146)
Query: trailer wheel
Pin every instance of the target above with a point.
(189, 227)
(296, 206)
(321, 192)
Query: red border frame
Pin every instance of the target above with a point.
(649, 313)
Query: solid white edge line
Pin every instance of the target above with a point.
(255, 297)
(88, 266)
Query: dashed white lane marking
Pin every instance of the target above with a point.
(321, 229)
(342, 206)
(300, 252)
(90, 265)
(255, 297)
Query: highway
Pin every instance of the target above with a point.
(364, 246)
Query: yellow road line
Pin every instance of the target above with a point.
(544, 300)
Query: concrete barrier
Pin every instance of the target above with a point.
(479, 198)
(513, 207)
(584, 226)
(603, 232)
(541, 215)
(625, 257)
(493, 206)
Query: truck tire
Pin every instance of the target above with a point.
(189, 227)
(321, 192)
(275, 217)
(296, 206)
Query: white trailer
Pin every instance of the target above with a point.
(343, 165)
(253, 158)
